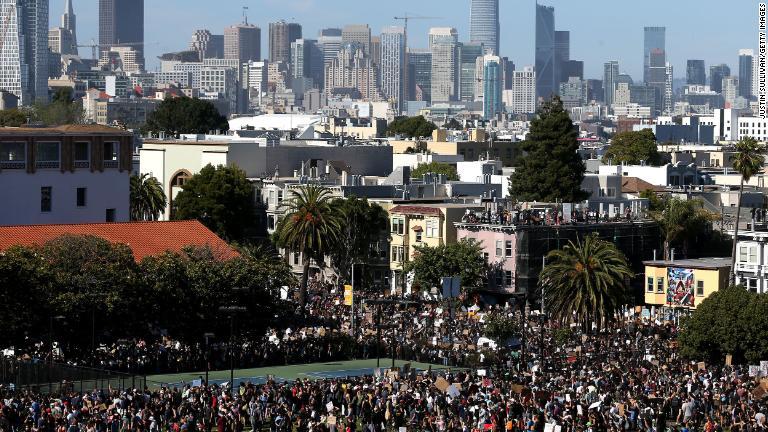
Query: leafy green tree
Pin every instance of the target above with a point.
(411, 127)
(500, 327)
(550, 168)
(185, 115)
(747, 161)
(147, 198)
(221, 198)
(435, 168)
(364, 224)
(585, 282)
(311, 226)
(681, 221)
(25, 289)
(13, 117)
(453, 124)
(730, 321)
(654, 202)
(63, 109)
(464, 259)
(633, 148)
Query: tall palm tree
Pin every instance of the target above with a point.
(147, 198)
(680, 221)
(748, 161)
(310, 226)
(585, 282)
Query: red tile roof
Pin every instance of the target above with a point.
(144, 238)
(427, 211)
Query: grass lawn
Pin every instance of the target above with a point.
(285, 373)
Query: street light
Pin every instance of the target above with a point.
(232, 311)
(50, 347)
(207, 356)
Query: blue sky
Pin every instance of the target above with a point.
(601, 30)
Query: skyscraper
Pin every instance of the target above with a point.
(69, 23)
(746, 59)
(484, 24)
(307, 61)
(330, 44)
(419, 74)
(695, 73)
(281, 35)
(545, 52)
(492, 86)
(562, 56)
(121, 22)
(359, 34)
(610, 75)
(470, 71)
(443, 43)
(242, 42)
(716, 75)
(393, 65)
(655, 39)
(207, 45)
(656, 76)
(523, 98)
(24, 49)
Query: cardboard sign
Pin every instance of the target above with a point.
(349, 295)
(728, 359)
(754, 370)
(517, 388)
(481, 372)
(701, 366)
(329, 406)
(331, 421)
(442, 384)
(764, 367)
(452, 391)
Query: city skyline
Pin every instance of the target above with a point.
(517, 26)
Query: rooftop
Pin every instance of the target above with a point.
(73, 129)
(696, 263)
(144, 238)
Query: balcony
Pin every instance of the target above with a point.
(13, 165)
(47, 164)
(744, 267)
(82, 164)
(111, 164)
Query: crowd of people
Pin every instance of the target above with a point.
(629, 378)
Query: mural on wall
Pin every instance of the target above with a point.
(680, 287)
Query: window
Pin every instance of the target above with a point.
(650, 284)
(486, 256)
(47, 155)
(279, 196)
(111, 154)
(699, 288)
(398, 254)
(82, 155)
(748, 254)
(270, 222)
(296, 258)
(418, 236)
(508, 278)
(398, 226)
(660, 284)
(81, 197)
(13, 155)
(508, 248)
(499, 279)
(750, 284)
(498, 248)
(110, 217)
(180, 179)
(433, 229)
(608, 192)
(271, 199)
(46, 199)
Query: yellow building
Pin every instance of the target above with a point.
(476, 147)
(684, 284)
(420, 225)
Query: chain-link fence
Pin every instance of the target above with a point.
(56, 378)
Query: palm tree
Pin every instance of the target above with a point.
(748, 161)
(681, 220)
(147, 198)
(585, 282)
(310, 226)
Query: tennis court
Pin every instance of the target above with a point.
(285, 373)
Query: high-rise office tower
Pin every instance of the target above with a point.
(330, 45)
(695, 73)
(242, 42)
(669, 101)
(443, 43)
(470, 71)
(419, 74)
(307, 61)
(207, 45)
(492, 86)
(24, 49)
(121, 22)
(484, 24)
(610, 75)
(392, 65)
(359, 34)
(69, 23)
(546, 80)
(656, 76)
(562, 55)
(730, 90)
(746, 61)
(654, 39)
(352, 70)
(572, 68)
(523, 98)
(376, 49)
(595, 90)
(716, 75)
(281, 35)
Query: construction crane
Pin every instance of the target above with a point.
(407, 18)
(6, 24)
(95, 46)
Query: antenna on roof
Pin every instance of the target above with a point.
(245, 14)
